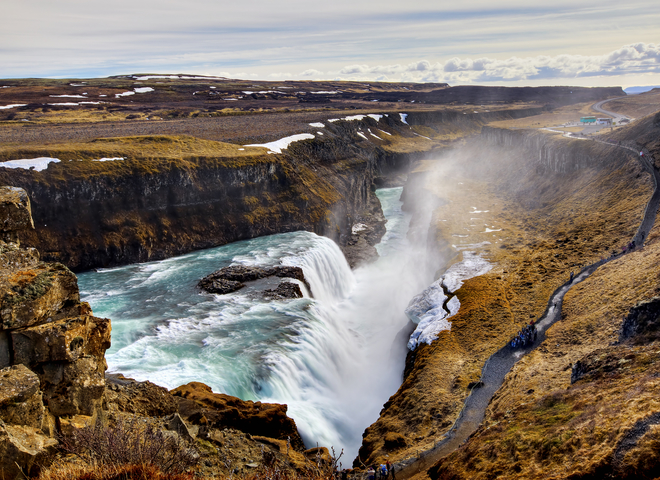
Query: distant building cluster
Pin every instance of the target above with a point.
(597, 121)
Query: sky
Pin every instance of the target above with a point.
(504, 42)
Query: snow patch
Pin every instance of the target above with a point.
(373, 134)
(317, 125)
(432, 308)
(135, 90)
(278, 145)
(488, 230)
(326, 93)
(362, 135)
(13, 106)
(386, 133)
(108, 159)
(351, 118)
(404, 117)
(358, 227)
(472, 265)
(67, 96)
(39, 163)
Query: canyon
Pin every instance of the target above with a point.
(534, 204)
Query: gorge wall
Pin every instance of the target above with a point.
(155, 205)
(553, 205)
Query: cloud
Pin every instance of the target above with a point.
(634, 58)
(311, 72)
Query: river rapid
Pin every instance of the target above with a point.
(334, 357)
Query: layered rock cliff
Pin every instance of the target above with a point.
(167, 195)
(52, 349)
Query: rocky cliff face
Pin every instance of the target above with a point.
(553, 153)
(52, 348)
(154, 205)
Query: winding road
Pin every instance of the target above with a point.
(502, 361)
(617, 117)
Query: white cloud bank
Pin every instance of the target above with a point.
(637, 58)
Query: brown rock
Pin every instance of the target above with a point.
(20, 399)
(35, 295)
(17, 384)
(12, 255)
(284, 291)
(5, 350)
(15, 212)
(142, 398)
(224, 411)
(23, 449)
(64, 340)
(70, 425)
(229, 279)
(74, 388)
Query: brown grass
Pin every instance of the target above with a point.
(548, 224)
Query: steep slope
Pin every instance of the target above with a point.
(547, 205)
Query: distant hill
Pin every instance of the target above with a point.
(636, 90)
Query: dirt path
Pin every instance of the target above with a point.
(501, 362)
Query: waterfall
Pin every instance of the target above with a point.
(334, 359)
(326, 270)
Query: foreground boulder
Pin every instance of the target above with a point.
(199, 405)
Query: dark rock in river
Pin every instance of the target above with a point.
(219, 285)
(229, 279)
(284, 290)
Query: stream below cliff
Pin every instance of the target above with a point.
(334, 357)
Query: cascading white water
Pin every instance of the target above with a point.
(334, 358)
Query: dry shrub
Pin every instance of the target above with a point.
(83, 471)
(131, 443)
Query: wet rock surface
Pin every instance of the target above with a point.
(284, 291)
(233, 278)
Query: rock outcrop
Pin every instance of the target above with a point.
(232, 278)
(199, 405)
(52, 349)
